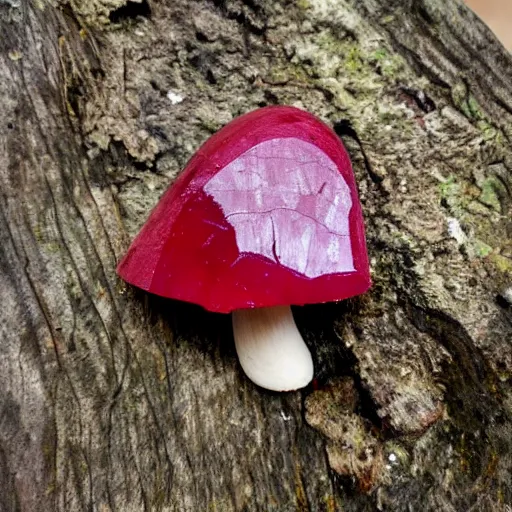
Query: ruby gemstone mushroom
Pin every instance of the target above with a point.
(265, 215)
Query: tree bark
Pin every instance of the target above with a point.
(115, 400)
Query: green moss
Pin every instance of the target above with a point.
(303, 4)
(52, 247)
(474, 108)
(502, 263)
(38, 233)
(341, 97)
(491, 189)
(278, 76)
(286, 73)
(353, 62)
(350, 52)
(449, 188)
(470, 107)
(210, 125)
(390, 65)
(459, 196)
(380, 54)
(481, 249)
(466, 102)
(489, 132)
(365, 65)
(459, 98)
(200, 85)
(476, 207)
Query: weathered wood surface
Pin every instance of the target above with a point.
(114, 400)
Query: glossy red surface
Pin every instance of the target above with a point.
(188, 250)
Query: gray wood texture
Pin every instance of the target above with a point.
(114, 400)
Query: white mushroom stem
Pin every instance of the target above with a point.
(271, 349)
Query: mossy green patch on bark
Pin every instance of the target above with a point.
(492, 188)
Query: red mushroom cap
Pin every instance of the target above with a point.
(266, 213)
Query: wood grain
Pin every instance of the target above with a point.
(114, 400)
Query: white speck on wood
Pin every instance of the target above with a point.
(455, 230)
(174, 98)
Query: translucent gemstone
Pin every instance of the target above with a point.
(266, 213)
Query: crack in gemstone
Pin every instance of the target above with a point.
(287, 201)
